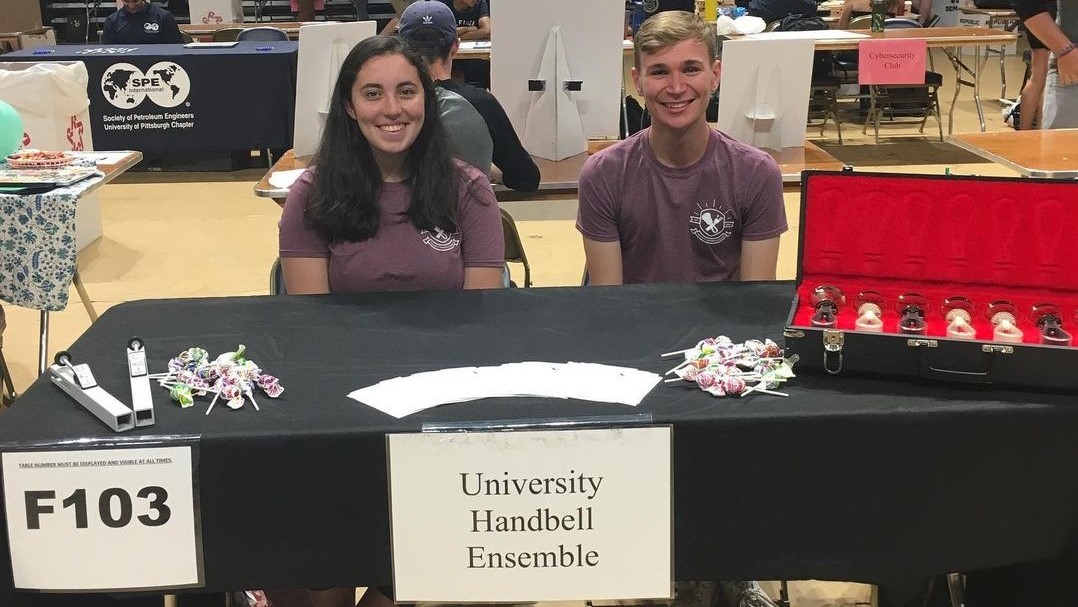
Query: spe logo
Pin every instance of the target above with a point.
(125, 86)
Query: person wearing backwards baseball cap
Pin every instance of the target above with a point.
(429, 27)
(465, 126)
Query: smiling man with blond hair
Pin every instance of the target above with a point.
(679, 201)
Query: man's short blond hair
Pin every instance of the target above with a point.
(668, 28)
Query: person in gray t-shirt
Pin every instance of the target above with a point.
(679, 201)
(466, 129)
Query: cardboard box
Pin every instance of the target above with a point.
(20, 16)
(41, 37)
(943, 238)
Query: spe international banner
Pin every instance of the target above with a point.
(526, 516)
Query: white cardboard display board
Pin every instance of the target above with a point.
(965, 20)
(209, 12)
(948, 11)
(764, 91)
(593, 55)
(581, 514)
(51, 99)
(322, 49)
(552, 128)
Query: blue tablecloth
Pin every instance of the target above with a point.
(37, 246)
(168, 98)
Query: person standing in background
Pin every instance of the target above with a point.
(141, 22)
(1060, 106)
(1033, 90)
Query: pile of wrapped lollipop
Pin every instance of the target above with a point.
(230, 376)
(723, 368)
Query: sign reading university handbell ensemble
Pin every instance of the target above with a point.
(531, 515)
(169, 98)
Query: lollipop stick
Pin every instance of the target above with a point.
(687, 362)
(675, 353)
(212, 402)
(251, 396)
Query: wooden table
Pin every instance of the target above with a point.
(1040, 153)
(556, 178)
(113, 166)
(559, 178)
(206, 30)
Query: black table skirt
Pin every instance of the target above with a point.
(847, 479)
(238, 98)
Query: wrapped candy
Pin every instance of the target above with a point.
(723, 368)
(270, 385)
(181, 393)
(231, 376)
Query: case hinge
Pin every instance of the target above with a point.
(832, 348)
(922, 343)
(798, 333)
(997, 349)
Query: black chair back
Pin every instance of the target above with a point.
(262, 34)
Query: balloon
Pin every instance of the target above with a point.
(10, 129)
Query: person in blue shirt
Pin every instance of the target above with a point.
(141, 22)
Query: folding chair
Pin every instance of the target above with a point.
(514, 249)
(226, 34)
(261, 34)
(7, 388)
(276, 279)
(904, 98)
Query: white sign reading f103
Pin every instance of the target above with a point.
(92, 519)
(531, 515)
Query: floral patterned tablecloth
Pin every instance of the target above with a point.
(37, 246)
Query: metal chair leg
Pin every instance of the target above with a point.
(5, 375)
(84, 296)
(784, 594)
(43, 342)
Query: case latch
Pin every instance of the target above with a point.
(997, 349)
(832, 345)
(922, 343)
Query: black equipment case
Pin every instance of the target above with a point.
(983, 244)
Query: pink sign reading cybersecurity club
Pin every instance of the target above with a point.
(899, 61)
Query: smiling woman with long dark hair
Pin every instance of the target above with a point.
(385, 206)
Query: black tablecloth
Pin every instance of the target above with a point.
(850, 479)
(167, 98)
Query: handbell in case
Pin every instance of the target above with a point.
(1001, 313)
(827, 300)
(1047, 318)
(958, 311)
(869, 311)
(911, 307)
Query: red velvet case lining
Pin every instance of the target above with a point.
(982, 238)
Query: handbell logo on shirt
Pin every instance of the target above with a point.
(151, 27)
(712, 225)
(440, 240)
